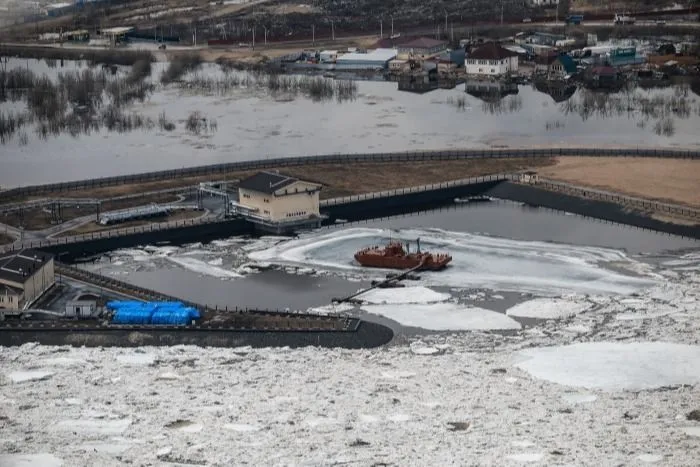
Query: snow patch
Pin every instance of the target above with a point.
(692, 431)
(544, 308)
(24, 376)
(579, 398)
(615, 366)
(526, 457)
(650, 458)
(168, 376)
(136, 359)
(93, 427)
(241, 427)
(30, 460)
(418, 294)
(444, 317)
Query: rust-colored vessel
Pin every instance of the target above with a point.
(393, 256)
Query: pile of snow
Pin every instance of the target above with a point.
(615, 366)
(545, 308)
(418, 294)
(444, 317)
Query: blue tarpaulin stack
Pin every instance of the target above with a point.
(162, 313)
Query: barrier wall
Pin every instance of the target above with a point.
(607, 210)
(367, 335)
(426, 156)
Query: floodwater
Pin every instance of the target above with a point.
(252, 124)
(500, 247)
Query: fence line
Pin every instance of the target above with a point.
(591, 193)
(424, 156)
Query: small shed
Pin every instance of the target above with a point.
(81, 309)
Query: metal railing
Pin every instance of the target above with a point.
(416, 189)
(267, 163)
(602, 195)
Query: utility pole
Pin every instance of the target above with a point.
(332, 30)
(313, 34)
(501, 12)
(265, 29)
(381, 30)
(253, 37)
(452, 32)
(392, 26)
(445, 21)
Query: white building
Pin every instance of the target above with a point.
(24, 276)
(544, 2)
(491, 60)
(375, 59)
(278, 202)
(82, 309)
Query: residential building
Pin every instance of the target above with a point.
(544, 2)
(491, 60)
(24, 276)
(277, 202)
(554, 66)
(421, 48)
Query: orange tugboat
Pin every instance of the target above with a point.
(393, 256)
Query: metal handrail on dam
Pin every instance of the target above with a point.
(421, 156)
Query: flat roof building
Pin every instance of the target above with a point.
(24, 276)
(377, 58)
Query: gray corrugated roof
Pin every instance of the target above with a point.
(266, 182)
(16, 266)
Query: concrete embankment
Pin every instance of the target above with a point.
(595, 208)
(367, 335)
(353, 208)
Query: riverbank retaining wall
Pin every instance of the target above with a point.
(88, 245)
(403, 157)
(596, 208)
(367, 335)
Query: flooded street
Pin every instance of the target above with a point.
(252, 124)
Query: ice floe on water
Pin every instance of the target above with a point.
(615, 366)
(204, 268)
(545, 308)
(478, 261)
(444, 317)
(400, 295)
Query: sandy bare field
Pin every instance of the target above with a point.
(670, 180)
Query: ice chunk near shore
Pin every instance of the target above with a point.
(444, 317)
(613, 366)
(417, 294)
(546, 308)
